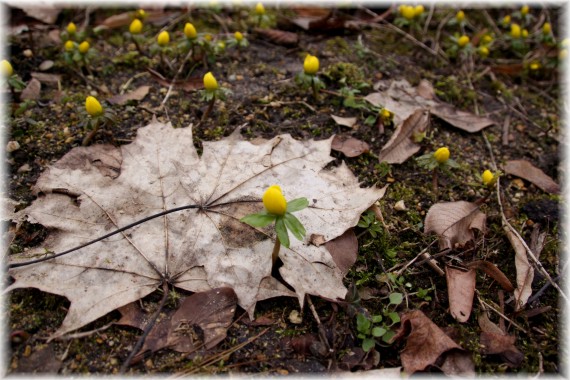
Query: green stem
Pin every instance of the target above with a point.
(276, 248)
(91, 134)
(315, 91)
(209, 109)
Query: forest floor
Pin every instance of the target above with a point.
(361, 51)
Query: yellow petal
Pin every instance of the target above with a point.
(93, 106)
(259, 9)
(190, 31)
(488, 178)
(238, 36)
(6, 68)
(69, 46)
(274, 201)
(441, 155)
(311, 64)
(71, 28)
(84, 47)
(463, 41)
(136, 26)
(163, 38)
(210, 82)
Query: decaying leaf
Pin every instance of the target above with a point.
(188, 85)
(344, 250)
(525, 271)
(349, 146)
(279, 37)
(32, 90)
(403, 100)
(426, 342)
(401, 145)
(137, 94)
(491, 270)
(43, 12)
(43, 361)
(454, 222)
(494, 341)
(461, 289)
(92, 191)
(345, 121)
(526, 170)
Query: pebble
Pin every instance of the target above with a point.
(28, 53)
(24, 168)
(400, 206)
(46, 65)
(295, 317)
(12, 146)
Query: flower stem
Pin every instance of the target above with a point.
(209, 109)
(434, 183)
(91, 134)
(276, 248)
(315, 91)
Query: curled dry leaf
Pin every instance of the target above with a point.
(525, 271)
(344, 250)
(460, 289)
(279, 37)
(138, 94)
(495, 273)
(349, 146)
(32, 90)
(526, 170)
(454, 222)
(345, 121)
(401, 145)
(494, 341)
(92, 191)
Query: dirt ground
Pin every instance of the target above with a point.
(357, 48)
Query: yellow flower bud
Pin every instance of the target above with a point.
(563, 54)
(69, 46)
(524, 10)
(524, 33)
(487, 39)
(163, 38)
(311, 64)
(140, 14)
(84, 47)
(386, 114)
(6, 68)
(546, 28)
(488, 178)
(507, 20)
(274, 201)
(208, 37)
(418, 10)
(407, 12)
(460, 16)
(136, 26)
(515, 31)
(210, 83)
(259, 9)
(534, 66)
(463, 41)
(483, 51)
(238, 36)
(71, 28)
(441, 155)
(93, 106)
(190, 31)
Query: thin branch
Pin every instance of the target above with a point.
(486, 305)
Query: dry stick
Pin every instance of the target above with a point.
(151, 322)
(491, 22)
(131, 79)
(322, 331)
(515, 232)
(486, 305)
(506, 127)
(414, 40)
(428, 19)
(440, 27)
(175, 77)
(86, 333)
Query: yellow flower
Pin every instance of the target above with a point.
(238, 36)
(507, 20)
(274, 201)
(487, 39)
(460, 16)
(210, 83)
(535, 66)
(71, 28)
(483, 51)
(221, 45)
(163, 38)
(140, 14)
(311, 64)
(524, 10)
(136, 26)
(515, 31)
(488, 178)
(524, 33)
(208, 37)
(463, 41)
(93, 106)
(563, 54)
(407, 11)
(259, 9)
(190, 31)
(441, 155)
(6, 68)
(84, 47)
(386, 114)
(418, 10)
(69, 46)
(546, 28)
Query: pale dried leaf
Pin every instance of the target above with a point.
(491, 270)
(45, 12)
(525, 271)
(349, 146)
(46, 65)
(197, 249)
(401, 145)
(277, 36)
(344, 250)
(32, 90)
(526, 170)
(345, 121)
(454, 222)
(47, 78)
(460, 289)
(138, 94)
(460, 119)
(459, 363)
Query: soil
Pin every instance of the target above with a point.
(264, 102)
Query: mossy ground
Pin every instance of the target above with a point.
(266, 102)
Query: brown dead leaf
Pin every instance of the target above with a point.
(426, 342)
(461, 289)
(53, 79)
(344, 250)
(491, 270)
(495, 341)
(279, 37)
(458, 363)
(349, 146)
(454, 222)
(138, 94)
(509, 69)
(525, 271)
(526, 170)
(132, 315)
(45, 12)
(32, 90)
(124, 19)
(345, 121)
(461, 119)
(401, 146)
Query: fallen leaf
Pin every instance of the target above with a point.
(460, 119)
(492, 271)
(45, 12)
(279, 37)
(425, 344)
(526, 170)
(47, 78)
(383, 373)
(345, 121)
(365, 361)
(90, 192)
(454, 222)
(32, 90)
(344, 250)
(460, 289)
(458, 363)
(525, 271)
(138, 94)
(41, 361)
(349, 146)
(125, 18)
(401, 145)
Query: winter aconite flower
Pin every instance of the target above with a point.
(483, 51)
(259, 9)
(488, 178)
(71, 28)
(93, 107)
(274, 201)
(460, 16)
(6, 69)
(524, 10)
(546, 28)
(210, 82)
(562, 54)
(463, 41)
(163, 38)
(211, 92)
(418, 10)
(311, 64)
(190, 31)
(524, 33)
(69, 45)
(238, 36)
(407, 11)
(516, 31)
(136, 26)
(84, 47)
(441, 155)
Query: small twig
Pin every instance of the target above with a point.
(428, 19)
(322, 331)
(399, 273)
(86, 333)
(541, 291)
(176, 76)
(485, 304)
(131, 79)
(506, 127)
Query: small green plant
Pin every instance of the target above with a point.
(95, 117)
(135, 31)
(308, 77)
(369, 222)
(260, 18)
(424, 294)
(11, 78)
(369, 329)
(411, 16)
(163, 49)
(439, 160)
(211, 92)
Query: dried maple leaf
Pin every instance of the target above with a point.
(92, 191)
